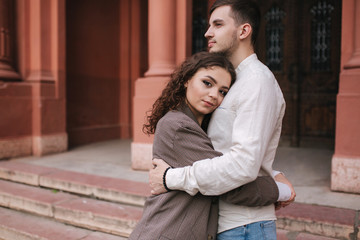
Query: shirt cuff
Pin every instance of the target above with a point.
(175, 180)
(284, 192)
(275, 172)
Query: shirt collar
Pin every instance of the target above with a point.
(246, 62)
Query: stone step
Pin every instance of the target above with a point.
(16, 225)
(93, 214)
(106, 188)
(337, 223)
(290, 235)
(22, 226)
(295, 220)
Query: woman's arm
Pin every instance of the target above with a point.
(261, 192)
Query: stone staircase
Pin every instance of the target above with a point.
(39, 202)
(55, 204)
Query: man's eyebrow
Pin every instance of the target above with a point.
(217, 21)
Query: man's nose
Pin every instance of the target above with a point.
(208, 33)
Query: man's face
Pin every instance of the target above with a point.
(222, 31)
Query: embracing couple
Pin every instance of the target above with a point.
(213, 155)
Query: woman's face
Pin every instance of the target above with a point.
(206, 90)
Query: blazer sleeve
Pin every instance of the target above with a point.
(261, 192)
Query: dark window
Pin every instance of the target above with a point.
(274, 38)
(199, 25)
(321, 36)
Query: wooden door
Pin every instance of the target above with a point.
(300, 42)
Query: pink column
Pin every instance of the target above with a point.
(346, 160)
(354, 61)
(161, 38)
(7, 41)
(161, 64)
(42, 63)
(183, 29)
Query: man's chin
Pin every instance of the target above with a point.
(213, 50)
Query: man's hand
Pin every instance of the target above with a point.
(281, 178)
(156, 176)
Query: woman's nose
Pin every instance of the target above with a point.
(213, 93)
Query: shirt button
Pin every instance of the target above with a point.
(210, 237)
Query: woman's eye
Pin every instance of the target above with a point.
(222, 92)
(207, 83)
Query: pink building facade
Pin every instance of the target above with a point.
(75, 72)
(345, 175)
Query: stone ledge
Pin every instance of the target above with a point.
(141, 155)
(30, 199)
(112, 189)
(319, 220)
(96, 215)
(89, 213)
(287, 235)
(22, 172)
(345, 174)
(17, 225)
(17, 147)
(46, 144)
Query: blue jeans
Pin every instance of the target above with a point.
(265, 230)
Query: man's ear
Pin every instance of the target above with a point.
(245, 31)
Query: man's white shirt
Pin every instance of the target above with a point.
(246, 128)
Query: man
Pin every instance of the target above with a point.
(245, 128)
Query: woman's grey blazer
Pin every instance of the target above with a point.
(180, 141)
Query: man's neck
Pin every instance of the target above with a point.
(240, 54)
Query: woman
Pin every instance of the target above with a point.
(178, 119)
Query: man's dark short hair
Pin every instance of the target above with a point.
(243, 11)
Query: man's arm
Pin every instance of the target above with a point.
(238, 196)
(261, 192)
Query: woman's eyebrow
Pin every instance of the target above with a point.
(213, 79)
(208, 76)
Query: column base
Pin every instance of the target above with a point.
(16, 147)
(47, 144)
(345, 174)
(141, 156)
(8, 73)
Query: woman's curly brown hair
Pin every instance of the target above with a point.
(173, 95)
